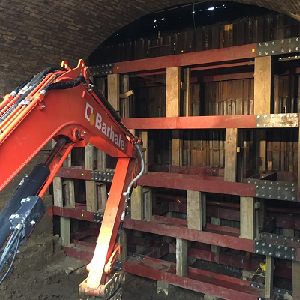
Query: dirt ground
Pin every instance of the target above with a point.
(38, 274)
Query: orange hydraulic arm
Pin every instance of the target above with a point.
(60, 104)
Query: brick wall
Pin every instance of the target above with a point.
(39, 33)
(36, 34)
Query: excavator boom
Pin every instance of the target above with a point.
(60, 103)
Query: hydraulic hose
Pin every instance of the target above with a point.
(64, 85)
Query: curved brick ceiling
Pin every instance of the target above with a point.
(38, 33)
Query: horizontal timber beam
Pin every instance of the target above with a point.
(187, 59)
(210, 122)
(198, 280)
(191, 182)
(210, 238)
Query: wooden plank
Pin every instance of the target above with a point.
(269, 277)
(187, 94)
(57, 192)
(173, 92)
(231, 154)
(123, 242)
(195, 183)
(113, 91)
(148, 195)
(181, 257)
(90, 186)
(187, 59)
(214, 248)
(144, 136)
(195, 122)
(247, 212)
(65, 231)
(196, 210)
(263, 85)
(137, 203)
(181, 232)
(295, 280)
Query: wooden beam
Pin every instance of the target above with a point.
(147, 203)
(181, 257)
(210, 238)
(269, 277)
(211, 122)
(90, 186)
(137, 203)
(196, 210)
(231, 154)
(214, 248)
(173, 92)
(57, 192)
(263, 94)
(295, 280)
(187, 94)
(144, 136)
(177, 148)
(263, 85)
(191, 182)
(113, 91)
(247, 212)
(124, 105)
(123, 242)
(194, 58)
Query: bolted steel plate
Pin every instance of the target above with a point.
(277, 47)
(279, 190)
(100, 70)
(277, 120)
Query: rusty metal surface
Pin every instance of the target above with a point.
(277, 120)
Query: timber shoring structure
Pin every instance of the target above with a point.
(195, 224)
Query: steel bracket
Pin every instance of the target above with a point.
(105, 176)
(276, 248)
(279, 190)
(277, 47)
(103, 69)
(98, 217)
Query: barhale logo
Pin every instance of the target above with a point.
(99, 124)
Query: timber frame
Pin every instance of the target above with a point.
(195, 238)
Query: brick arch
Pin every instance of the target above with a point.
(38, 33)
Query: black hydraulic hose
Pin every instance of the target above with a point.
(64, 85)
(28, 187)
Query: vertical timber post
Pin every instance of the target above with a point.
(173, 110)
(90, 186)
(269, 277)
(247, 212)
(196, 210)
(181, 258)
(263, 94)
(295, 280)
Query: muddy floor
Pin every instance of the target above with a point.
(40, 274)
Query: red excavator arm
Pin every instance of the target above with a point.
(60, 104)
